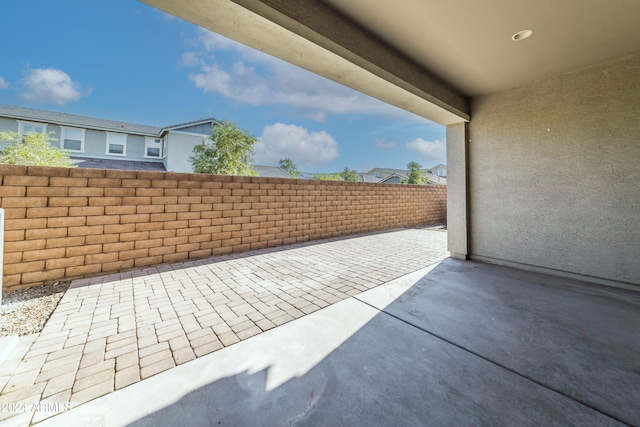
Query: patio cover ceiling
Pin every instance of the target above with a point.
(468, 43)
(426, 56)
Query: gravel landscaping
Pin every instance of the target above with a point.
(25, 311)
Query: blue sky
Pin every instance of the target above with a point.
(124, 60)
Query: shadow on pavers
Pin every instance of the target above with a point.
(468, 344)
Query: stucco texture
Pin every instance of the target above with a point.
(554, 178)
(457, 147)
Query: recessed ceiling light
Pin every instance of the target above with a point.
(521, 35)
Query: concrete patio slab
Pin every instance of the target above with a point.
(347, 364)
(573, 337)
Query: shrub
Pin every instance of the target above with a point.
(32, 149)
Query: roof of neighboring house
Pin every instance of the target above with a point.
(431, 178)
(385, 172)
(271, 171)
(366, 177)
(84, 162)
(388, 173)
(193, 123)
(438, 166)
(390, 170)
(64, 119)
(394, 175)
(306, 175)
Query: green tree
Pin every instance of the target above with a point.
(32, 149)
(350, 175)
(414, 174)
(328, 176)
(228, 151)
(287, 165)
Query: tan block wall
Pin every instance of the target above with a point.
(64, 224)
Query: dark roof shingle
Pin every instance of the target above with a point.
(84, 162)
(44, 116)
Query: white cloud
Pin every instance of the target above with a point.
(433, 150)
(381, 143)
(4, 84)
(259, 79)
(213, 41)
(50, 86)
(234, 85)
(190, 59)
(304, 148)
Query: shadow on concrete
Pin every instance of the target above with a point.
(468, 344)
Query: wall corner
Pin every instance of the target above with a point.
(458, 190)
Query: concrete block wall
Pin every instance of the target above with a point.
(70, 223)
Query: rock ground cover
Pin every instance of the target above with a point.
(26, 311)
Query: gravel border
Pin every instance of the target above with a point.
(26, 311)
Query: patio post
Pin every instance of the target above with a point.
(458, 190)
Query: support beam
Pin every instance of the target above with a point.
(313, 36)
(458, 191)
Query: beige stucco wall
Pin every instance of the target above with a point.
(457, 213)
(554, 173)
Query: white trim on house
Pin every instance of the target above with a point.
(22, 124)
(80, 136)
(203, 136)
(189, 124)
(153, 140)
(112, 139)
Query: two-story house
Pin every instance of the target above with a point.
(107, 144)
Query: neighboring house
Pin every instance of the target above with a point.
(386, 176)
(271, 171)
(362, 176)
(435, 179)
(439, 170)
(394, 178)
(434, 175)
(382, 173)
(367, 177)
(108, 144)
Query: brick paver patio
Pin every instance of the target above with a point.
(111, 331)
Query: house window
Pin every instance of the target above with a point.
(28, 127)
(72, 139)
(442, 172)
(154, 148)
(116, 144)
